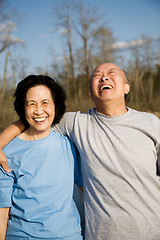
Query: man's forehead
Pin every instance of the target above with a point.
(100, 70)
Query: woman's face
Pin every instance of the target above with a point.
(39, 110)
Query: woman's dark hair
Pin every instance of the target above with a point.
(57, 93)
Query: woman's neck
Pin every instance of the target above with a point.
(31, 135)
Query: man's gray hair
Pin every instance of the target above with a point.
(127, 80)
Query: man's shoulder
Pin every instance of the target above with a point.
(148, 115)
(78, 114)
(69, 115)
(70, 120)
(145, 118)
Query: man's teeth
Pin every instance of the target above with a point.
(40, 119)
(106, 87)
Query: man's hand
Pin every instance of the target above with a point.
(3, 161)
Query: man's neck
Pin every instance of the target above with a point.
(112, 110)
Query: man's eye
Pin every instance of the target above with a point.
(99, 76)
(111, 72)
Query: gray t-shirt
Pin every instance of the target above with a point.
(120, 160)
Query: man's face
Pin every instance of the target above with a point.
(108, 83)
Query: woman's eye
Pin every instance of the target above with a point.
(45, 103)
(31, 104)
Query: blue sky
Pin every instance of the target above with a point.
(128, 20)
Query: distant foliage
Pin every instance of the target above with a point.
(7, 114)
(144, 95)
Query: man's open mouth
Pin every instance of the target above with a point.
(105, 87)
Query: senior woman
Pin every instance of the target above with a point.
(38, 193)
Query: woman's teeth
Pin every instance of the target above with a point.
(40, 119)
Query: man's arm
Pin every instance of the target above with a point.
(4, 216)
(5, 137)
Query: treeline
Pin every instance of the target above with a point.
(144, 94)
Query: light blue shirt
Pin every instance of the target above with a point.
(39, 189)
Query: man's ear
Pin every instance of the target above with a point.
(127, 88)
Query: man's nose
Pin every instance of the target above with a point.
(104, 78)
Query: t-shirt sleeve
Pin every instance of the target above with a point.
(65, 126)
(6, 188)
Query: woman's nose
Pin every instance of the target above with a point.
(38, 110)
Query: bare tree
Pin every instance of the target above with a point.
(7, 26)
(6, 39)
(85, 31)
(95, 41)
(103, 45)
(91, 27)
(142, 72)
(63, 16)
(4, 4)
(3, 88)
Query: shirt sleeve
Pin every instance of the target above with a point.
(6, 188)
(65, 126)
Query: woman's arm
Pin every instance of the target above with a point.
(5, 137)
(4, 216)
